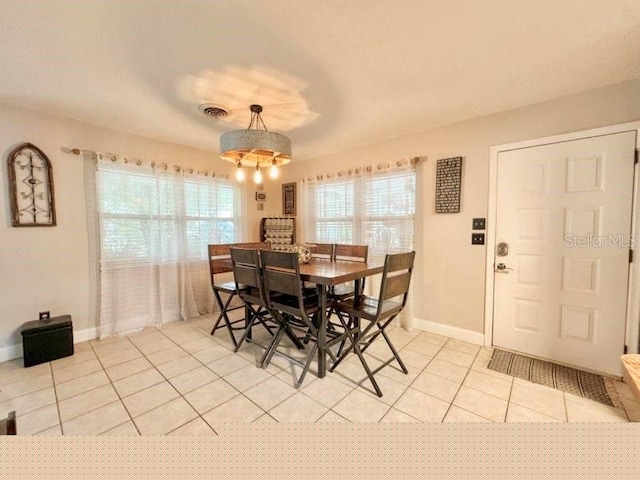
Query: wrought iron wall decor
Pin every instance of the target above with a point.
(448, 182)
(31, 183)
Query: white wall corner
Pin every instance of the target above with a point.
(15, 351)
(449, 331)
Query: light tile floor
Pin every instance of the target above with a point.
(177, 379)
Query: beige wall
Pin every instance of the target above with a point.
(47, 268)
(450, 272)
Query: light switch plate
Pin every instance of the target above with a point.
(478, 224)
(477, 239)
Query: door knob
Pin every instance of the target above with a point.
(502, 268)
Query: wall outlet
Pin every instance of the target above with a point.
(44, 315)
(478, 224)
(477, 239)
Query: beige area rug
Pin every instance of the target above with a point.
(570, 380)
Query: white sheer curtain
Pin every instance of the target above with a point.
(368, 205)
(153, 225)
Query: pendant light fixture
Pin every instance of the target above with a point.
(255, 147)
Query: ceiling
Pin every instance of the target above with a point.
(358, 71)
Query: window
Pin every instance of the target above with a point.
(389, 206)
(334, 212)
(376, 209)
(145, 216)
(151, 234)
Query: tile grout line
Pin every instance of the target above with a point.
(180, 395)
(459, 388)
(222, 343)
(117, 393)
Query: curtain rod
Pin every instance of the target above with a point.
(81, 151)
(207, 173)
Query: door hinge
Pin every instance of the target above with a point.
(626, 349)
(630, 256)
(635, 158)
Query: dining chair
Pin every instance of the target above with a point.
(350, 253)
(321, 250)
(318, 250)
(219, 264)
(8, 425)
(378, 312)
(249, 285)
(354, 253)
(249, 281)
(293, 308)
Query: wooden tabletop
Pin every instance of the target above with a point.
(326, 272)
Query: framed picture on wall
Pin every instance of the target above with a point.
(289, 198)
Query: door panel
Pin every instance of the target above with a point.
(564, 209)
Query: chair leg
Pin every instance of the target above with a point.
(355, 346)
(352, 337)
(292, 336)
(351, 324)
(247, 333)
(268, 354)
(395, 352)
(307, 365)
(381, 330)
(361, 341)
(223, 315)
(367, 369)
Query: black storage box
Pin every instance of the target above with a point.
(47, 339)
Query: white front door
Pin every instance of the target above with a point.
(563, 225)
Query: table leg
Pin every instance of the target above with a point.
(322, 330)
(357, 285)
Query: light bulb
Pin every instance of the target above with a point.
(257, 177)
(273, 172)
(240, 173)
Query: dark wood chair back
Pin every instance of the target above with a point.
(396, 277)
(283, 285)
(321, 250)
(350, 253)
(247, 274)
(353, 253)
(220, 254)
(281, 272)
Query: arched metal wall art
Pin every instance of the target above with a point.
(31, 182)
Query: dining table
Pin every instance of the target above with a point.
(326, 273)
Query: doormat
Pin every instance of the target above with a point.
(583, 384)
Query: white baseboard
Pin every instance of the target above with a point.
(10, 352)
(15, 351)
(85, 335)
(449, 331)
